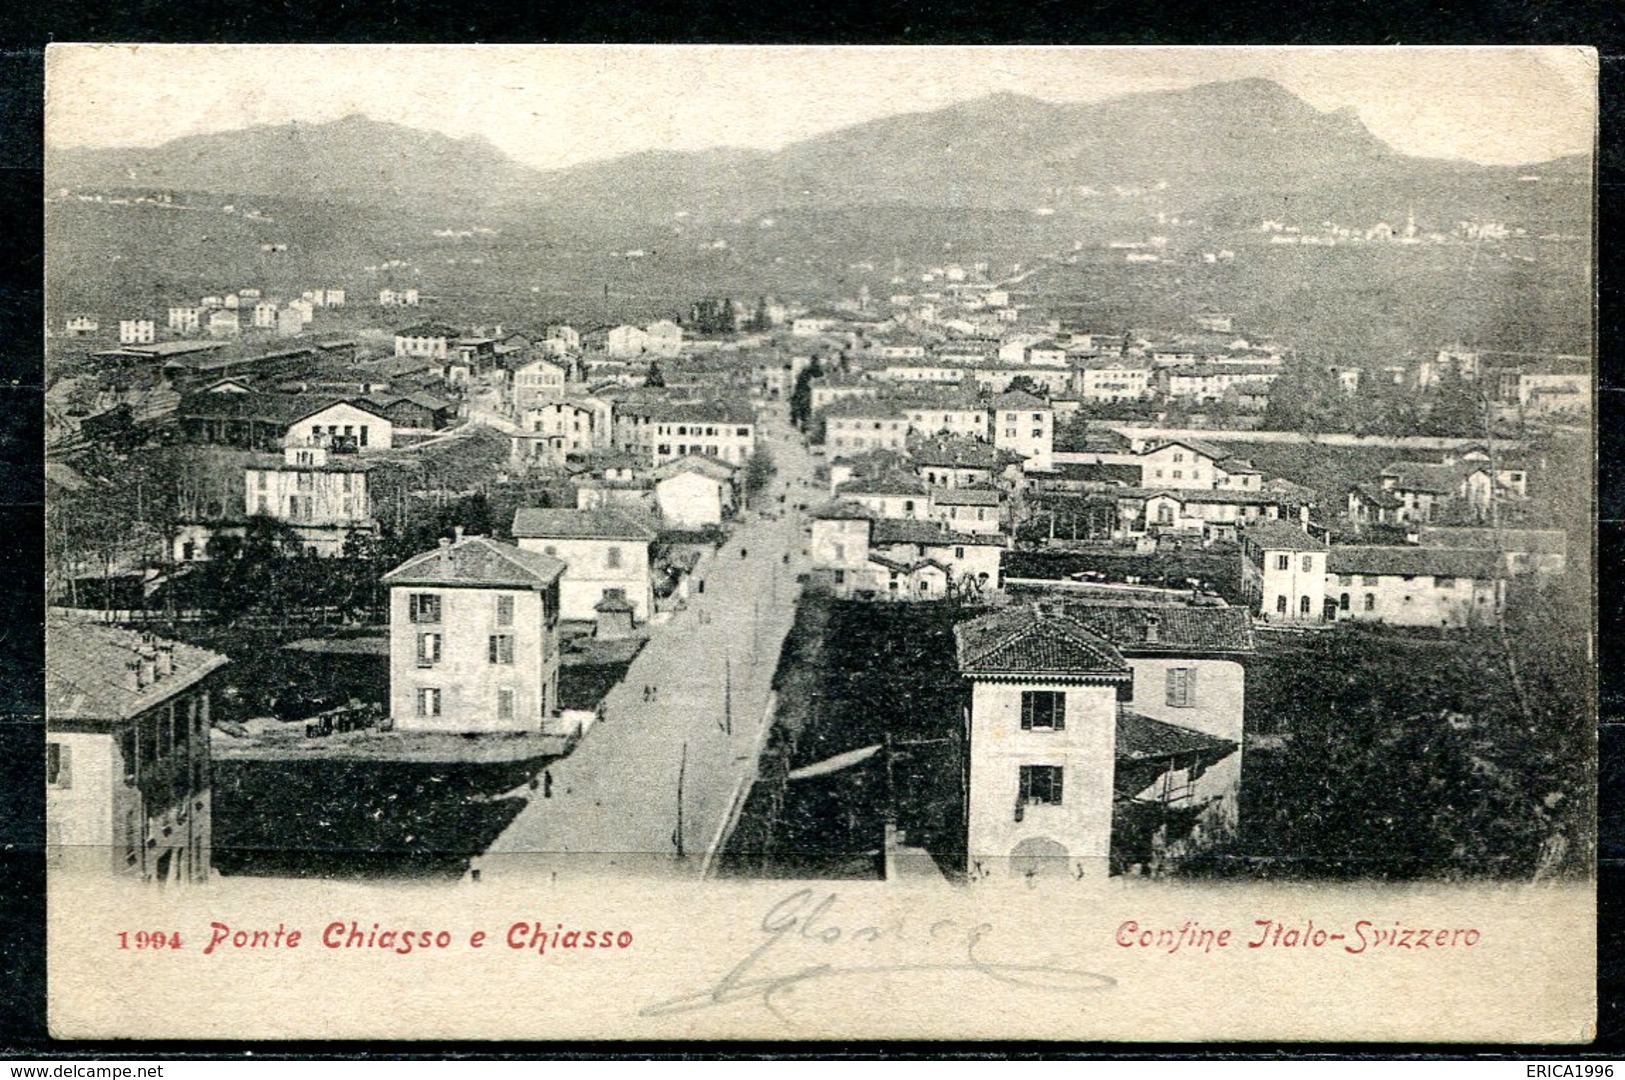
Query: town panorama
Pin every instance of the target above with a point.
(1185, 485)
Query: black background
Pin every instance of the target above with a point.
(26, 28)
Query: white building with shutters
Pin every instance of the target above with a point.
(474, 639)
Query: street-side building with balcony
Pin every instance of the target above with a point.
(321, 495)
(127, 763)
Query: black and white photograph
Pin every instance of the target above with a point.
(818, 490)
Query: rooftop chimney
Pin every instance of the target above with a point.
(445, 552)
(458, 529)
(132, 675)
(166, 659)
(1153, 632)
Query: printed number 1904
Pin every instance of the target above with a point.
(149, 939)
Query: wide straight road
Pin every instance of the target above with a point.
(651, 786)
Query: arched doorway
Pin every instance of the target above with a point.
(1038, 856)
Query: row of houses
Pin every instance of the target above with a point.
(1450, 578)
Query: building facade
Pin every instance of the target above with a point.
(474, 639)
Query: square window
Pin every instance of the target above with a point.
(428, 702)
(504, 704)
(1043, 710)
(428, 650)
(500, 649)
(424, 607)
(504, 611)
(1041, 784)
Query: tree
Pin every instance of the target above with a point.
(801, 395)
(1455, 412)
(1025, 384)
(655, 376)
(758, 472)
(761, 320)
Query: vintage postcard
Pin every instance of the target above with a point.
(796, 543)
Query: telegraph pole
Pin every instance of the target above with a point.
(682, 767)
(727, 694)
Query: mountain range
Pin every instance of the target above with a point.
(1248, 139)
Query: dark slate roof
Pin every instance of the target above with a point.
(1179, 629)
(361, 403)
(1377, 496)
(959, 451)
(477, 560)
(1141, 738)
(85, 671)
(279, 409)
(1429, 477)
(890, 484)
(1274, 535)
(429, 330)
(842, 510)
(1410, 561)
(966, 497)
(531, 522)
(863, 408)
(1118, 475)
(1206, 448)
(893, 531)
(1535, 541)
(1035, 639)
(1018, 400)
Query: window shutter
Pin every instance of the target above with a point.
(1060, 711)
(1190, 687)
(1026, 784)
(1173, 686)
(412, 606)
(1055, 784)
(1026, 710)
(491, 648)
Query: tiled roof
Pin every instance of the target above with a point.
(1378, 496)
(890, 484)
(477, 560)
(863, 409)
(1429, 477)
(1207, 448)
(86, 673)
(1534, 541)
(1179, 629)
(1140, 738)
(532, 522)
(959, 451)
(429, 330)
(1408, 561)
(894, 531)
(966, 497)
(1018, 399)
(1274, 535)
(1035, 639)
(842, 510)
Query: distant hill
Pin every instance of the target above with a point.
(354, 158)
(1246, 140)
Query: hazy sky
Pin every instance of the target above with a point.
(561, 105)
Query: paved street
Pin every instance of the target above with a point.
(615, 799)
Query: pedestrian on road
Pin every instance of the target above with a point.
(547, 783)
(645, 691)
